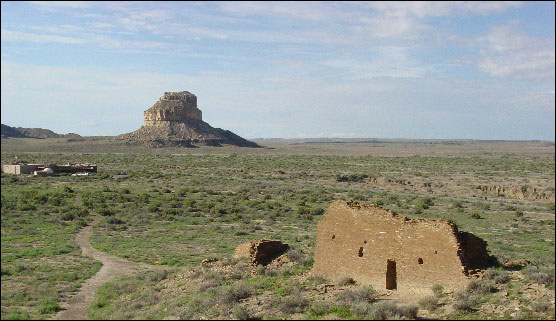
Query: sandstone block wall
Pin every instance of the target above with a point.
(375, 246)
(19, 169)
(261, 252)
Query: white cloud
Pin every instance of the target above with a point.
(391, 26)
(8, 35)
(54, 5)
(386, 61)
(423, 9)
(103, 25)
(508, 53)
(298, 10)
(115, 43)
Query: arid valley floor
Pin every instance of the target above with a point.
(152, 215)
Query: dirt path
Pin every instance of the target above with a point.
(77, 306)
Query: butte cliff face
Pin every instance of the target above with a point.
(173, 107)
(175, 120)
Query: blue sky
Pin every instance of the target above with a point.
(480, 70)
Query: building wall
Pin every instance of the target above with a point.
(10, 169)
(358, 241)
(27, 169)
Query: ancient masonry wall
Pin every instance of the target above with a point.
(261, 252)
(375, 246)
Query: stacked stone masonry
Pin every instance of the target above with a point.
(261, 252)
(375, 246)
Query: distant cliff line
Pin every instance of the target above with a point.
(21, 132)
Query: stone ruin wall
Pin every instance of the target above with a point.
(358, 241)
(473, 251)
(261, 252)
(173, 107)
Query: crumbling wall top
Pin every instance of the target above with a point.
(387, 214)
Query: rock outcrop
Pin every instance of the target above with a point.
(175, 120)
(173, 107)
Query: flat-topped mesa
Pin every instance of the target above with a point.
(173, 107)
(175, 120)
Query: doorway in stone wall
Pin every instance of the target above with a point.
(391, 277)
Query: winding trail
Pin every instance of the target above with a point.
(77, 306)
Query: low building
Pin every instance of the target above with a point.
(18, 169)
(45, 172)
(375, 246)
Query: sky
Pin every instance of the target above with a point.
(424, 70)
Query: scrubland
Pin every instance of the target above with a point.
(176, 207)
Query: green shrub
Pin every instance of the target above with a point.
(115, 220)
(483, 206)
(293, 303)
(16, 314)
(235, 292)
(387, 310)
(295, 255)
(476, 215)
(240, 312)
(429, 302)
(409, 311)
(68, 216)
(47, 306)
(438, 290)
(539, 277)
(351, 178)
(425, 203)
(106, 212)
(154, 208)
(502, 279)
(157, 276)
(361, 294)
(464, 302)
(319, 308)
(457, 204)
(480, 287)
(28, 207)
(6, 272)
(362, 309)
(542, 306)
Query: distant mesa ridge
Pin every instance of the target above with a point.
(20, 132)
(175, 120)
